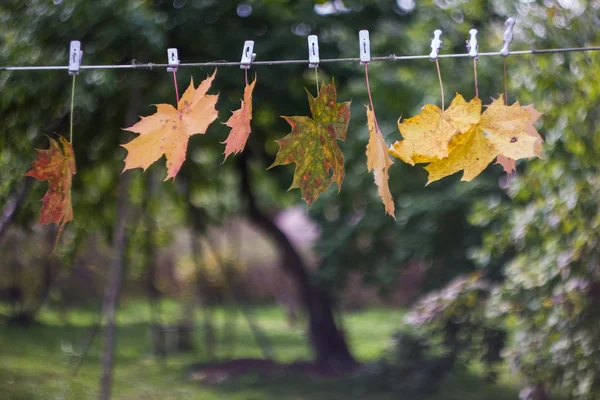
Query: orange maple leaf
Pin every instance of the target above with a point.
(168, 130)
(379, 162)
(239, 122)
(57, 166)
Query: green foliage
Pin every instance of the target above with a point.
(411, 368)
(546, 237)
(540, 246)
(458, 318)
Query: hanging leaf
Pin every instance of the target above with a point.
(239, 122)
(427, 135)
(379, 162)
(57, 166)
(502, 130)
(509, 164)
(312, 144)
(168, 130)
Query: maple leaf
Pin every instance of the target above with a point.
(57, 166)
(502, 130)
(239, 122)
(312, 144)
(379, 162)
(168, 130)
(509, 164)
(427, 135)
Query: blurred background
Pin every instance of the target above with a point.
(222, 285)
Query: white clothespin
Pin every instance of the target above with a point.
(247, 54)
(313, 51)
(472, 44)
(365, 47)
(173, 60)
(436, 44)
(75, 56)
(508, 36)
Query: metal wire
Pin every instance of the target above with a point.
(391, 57)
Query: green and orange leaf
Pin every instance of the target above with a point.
(57, 166)
(312, 144)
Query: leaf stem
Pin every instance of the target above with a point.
(72, 108)
(475, 74)
(317, 79)
(176, 88)
(246, 75)
(437, 64)
(505, 84)
(370, 98)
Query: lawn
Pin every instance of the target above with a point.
(37, 362)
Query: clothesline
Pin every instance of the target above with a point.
(391, 57)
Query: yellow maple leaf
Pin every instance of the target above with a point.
(379, 162)
(239, 122)
(168, 130)
(427, 135)
(502, 130)
(509, 164)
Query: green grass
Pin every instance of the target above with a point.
(37, 362)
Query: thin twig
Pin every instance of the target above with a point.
(176, 88)
(475, 73)
(505, 83)
(262, 340)
(72, 108)
(88, 344)
(437, 64)
(370, 98)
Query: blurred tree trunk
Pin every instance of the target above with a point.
(236, 301)
(159, 345)
(113, 283)
(196, 216)
(25, 312)
(111, 290)
(12, 206)
(540, 392)
(328, 342)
